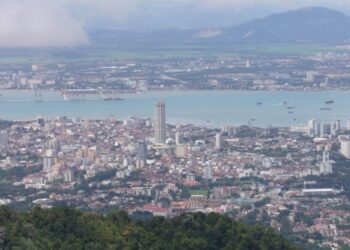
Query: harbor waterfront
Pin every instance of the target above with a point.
(210, 108)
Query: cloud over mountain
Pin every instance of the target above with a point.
(37, 23)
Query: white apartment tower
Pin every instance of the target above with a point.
(178, 138)
(208, 172)
(312, 127)
(218, 141)
(345, 146)
(310, 76)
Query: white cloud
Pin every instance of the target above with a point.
(55, 23)
(35, 23)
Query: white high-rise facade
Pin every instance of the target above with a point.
(48, 159)
(310, 76)
(178, 138)
(345, 146)
(159, 123)
(218, 141)
(208, 172)
(335, 127)
(312, 127)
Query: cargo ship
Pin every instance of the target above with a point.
(113, 99)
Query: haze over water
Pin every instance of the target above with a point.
(212, 108)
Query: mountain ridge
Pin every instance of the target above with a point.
(305, 25)
(312, 24)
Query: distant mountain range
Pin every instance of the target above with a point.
(306, 25)
(318, 25)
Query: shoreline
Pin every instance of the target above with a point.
(186, 90)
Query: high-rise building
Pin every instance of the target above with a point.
(141, 151)
(40, 121)
(159, 123)
(326, 166)
(326, 129)
(247, 64)
(345, 146)
(230, 130)
(312, 127)
(182, 151)
(310, 76)
(337, 124)
(4, 138)
(218, 141)
(48, 159)
(54, 145)
(318, 128)
(335, 127)
(348, 125)
(178, 138)
(68, 175)
(208, 172)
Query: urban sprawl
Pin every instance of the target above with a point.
(294, 179)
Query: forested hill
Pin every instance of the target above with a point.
(63, 228)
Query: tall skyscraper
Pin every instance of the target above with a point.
(159, 122)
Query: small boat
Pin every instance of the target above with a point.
(259, 103)
(329, 102)
(290, 112)
(291, 107)
(324, 109)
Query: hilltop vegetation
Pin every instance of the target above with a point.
(65, 228)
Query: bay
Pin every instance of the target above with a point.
(211, 108)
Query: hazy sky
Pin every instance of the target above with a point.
(28, 23)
